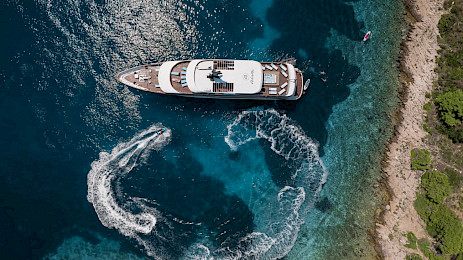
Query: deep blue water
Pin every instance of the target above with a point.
(83, 173)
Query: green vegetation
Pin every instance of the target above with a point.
(449, 94)
(421, 159)
(455, 180)
(435, 203)
(441, 222)
(450, 106)
(436, 186)
(427, 106)
(411, 240)
(413, 257)
(424, 246)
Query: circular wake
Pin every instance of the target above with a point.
(296, 199)
(287, 140)
(110, 168)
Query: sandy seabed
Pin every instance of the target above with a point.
(400, 216)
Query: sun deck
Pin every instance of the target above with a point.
(178, 77)
(277, 80)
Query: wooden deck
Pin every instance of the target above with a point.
(147, 78)
(175, 80)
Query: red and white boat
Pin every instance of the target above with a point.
(367, 36)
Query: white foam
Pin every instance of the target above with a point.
(295, 201)
(115, 165)
(272, 241)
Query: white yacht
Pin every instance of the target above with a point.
(221, 79)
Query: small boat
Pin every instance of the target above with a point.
(161, 131)
(367, 36)
(306, 84)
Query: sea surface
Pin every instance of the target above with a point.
(84, 172)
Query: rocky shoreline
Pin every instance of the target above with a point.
(417, 68)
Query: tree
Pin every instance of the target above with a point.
(436, 185)
(450, 106)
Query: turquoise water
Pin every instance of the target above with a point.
(84, 172)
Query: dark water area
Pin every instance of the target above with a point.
(64, 117)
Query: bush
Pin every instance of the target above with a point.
(441, 222)
(445, 23)
(436, 186)
(421, 159)
(423, 245)
(413, 257)
(423, 206)
(427, 106)
(455, 179)
(411, 240)
(450, 106)
(445, 226)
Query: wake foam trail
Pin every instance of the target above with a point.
(111, 167)
(294, 201)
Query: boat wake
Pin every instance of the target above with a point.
(277, 236)
(106, 172)
(279, 220)
(299, 196)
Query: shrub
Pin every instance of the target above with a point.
(445, 226)
(455, 179)
(413, 257)
(421, 159)
(427, 106)
(411, 240)
(436, 186)
(445, 23)
(423, 245)
(424, 206)
(441, 222)
(450, 106)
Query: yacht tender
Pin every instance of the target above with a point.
(222, 79)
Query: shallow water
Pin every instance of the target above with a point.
(85, 174)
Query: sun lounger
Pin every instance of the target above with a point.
(183, 77)
(284, 74)
(184, 68)
(183, 72)
(183, 81)
(272, 92)
(263, 68)
(273, 66)
(157, 69)
(268, 67)
(175, 73)
(272, 89)
(284, 85)
(184, 85)
(281, 91)
(158, 86)
(283, 67)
